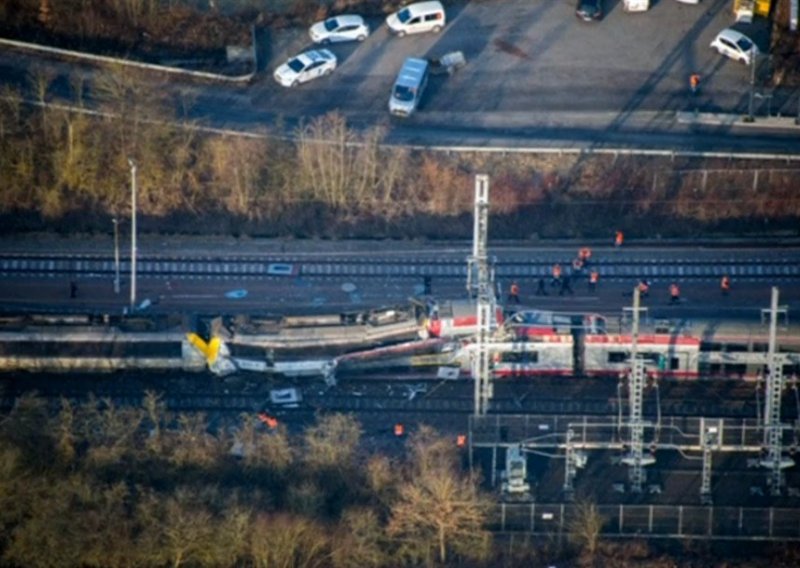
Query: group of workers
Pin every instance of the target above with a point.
(581, 262)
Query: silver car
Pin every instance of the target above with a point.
(306, 66)
(339, 28)
(734, 44)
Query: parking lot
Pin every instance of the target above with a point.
(533, 57)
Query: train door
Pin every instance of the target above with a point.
(578, 334)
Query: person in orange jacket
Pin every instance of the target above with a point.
(725, 285)
(556, 275)
(618, 239)
(674, 293)
(644, 288)
(594, 278)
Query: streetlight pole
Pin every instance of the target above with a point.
(133, 232)
(116, 255)
(751, 103)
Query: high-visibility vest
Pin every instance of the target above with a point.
(694, 80)
(269, 421)
(619, 238)
(557, 271)
(726, 283)
(461, 440)
(643, 287)
(674, 290)
(514, 289)
(399, 430)
(585, 253)
(594, 277)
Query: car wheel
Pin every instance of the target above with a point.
(327, 72)
(401, 34)
(293, 84)
(437, 29)
(362, 37)
(743, 60)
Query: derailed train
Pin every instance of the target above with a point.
(531, 343)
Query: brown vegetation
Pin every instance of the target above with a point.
(90, 484)
(68, 170)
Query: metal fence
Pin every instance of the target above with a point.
(654, 521)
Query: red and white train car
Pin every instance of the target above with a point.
(666, 355)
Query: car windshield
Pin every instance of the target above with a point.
(404, 94)
(331, 24)
(295, 65)
(404, 15)
(744, 44)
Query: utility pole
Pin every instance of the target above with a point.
(751, 102)
(635, 459)
(133, 233)
(485, 299)
(116, 255)
(773, 429)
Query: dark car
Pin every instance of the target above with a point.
(589, 10)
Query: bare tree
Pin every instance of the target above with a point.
(175, 530)
(332, 442)
(360, 540)
(264, 449)
(584, 528)
(192, 444)
(439, 510)
(286, 541)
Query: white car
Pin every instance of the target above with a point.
(734, 44)
(306, 66)
(339, 28)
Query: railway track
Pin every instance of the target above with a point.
(740, 266)
(397, 398)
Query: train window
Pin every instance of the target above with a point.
(520, 357)
(732, 348)
(709, 346)
(760, 347)
(617, 356)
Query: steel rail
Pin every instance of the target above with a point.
(176, 267)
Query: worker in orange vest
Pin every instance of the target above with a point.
(594, 277)
(556, 275)
(585, 253)
(618, 239)
(269, 421)
(399, 430)
(513, 293)
(725, 285)
(644, 288)
(674, 293)
(694, 82)
(461, 440)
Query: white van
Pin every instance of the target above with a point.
(417, 18)
(408, 87)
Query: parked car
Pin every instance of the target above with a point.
(306, 66)
(417, 18)
(734, 44)
(589, 10)
(339, 28)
